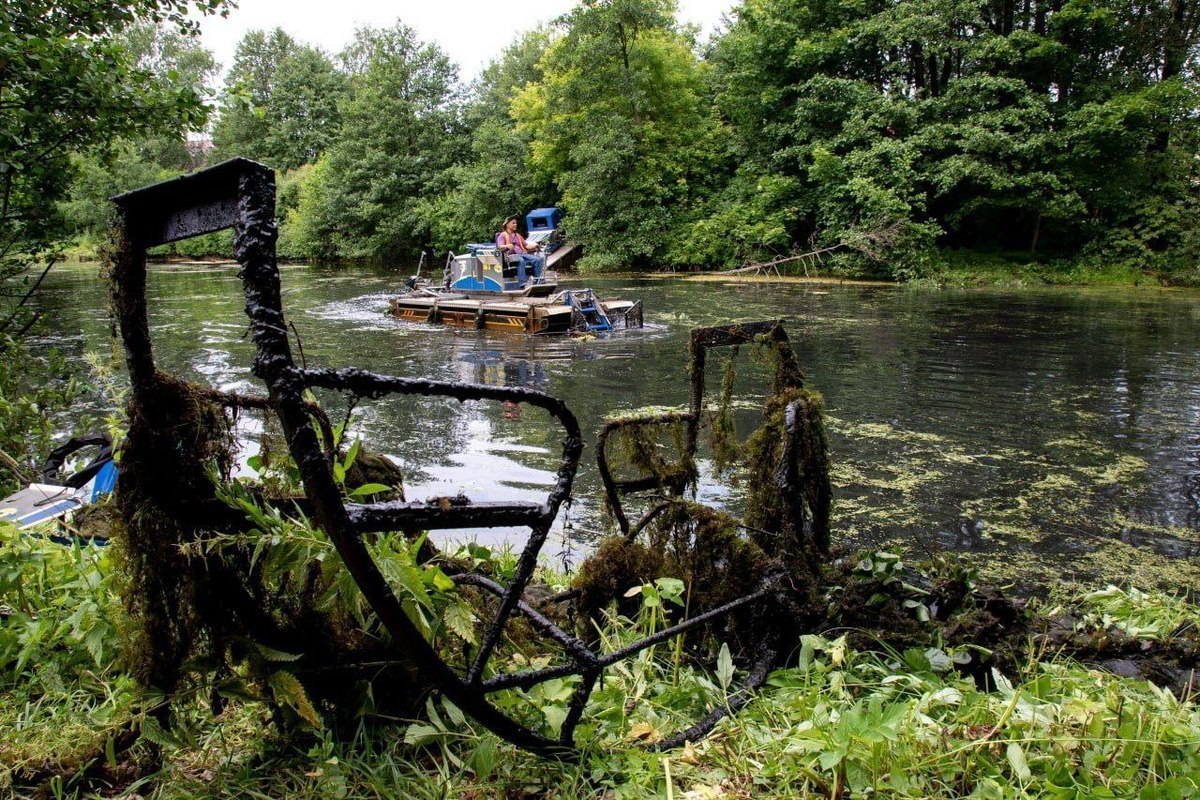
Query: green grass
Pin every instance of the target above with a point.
(840, 723)
(964, 268)
(845, 724)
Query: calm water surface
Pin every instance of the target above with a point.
(1050, 434)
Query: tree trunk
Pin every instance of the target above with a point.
(1175, 40)
(917, 55)
(633, 106)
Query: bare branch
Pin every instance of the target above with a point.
(14, 467)
(12, 317)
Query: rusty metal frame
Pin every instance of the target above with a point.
(671, 486)
(676, 481)
(241, 194)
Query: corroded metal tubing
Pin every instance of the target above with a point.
(763, 664)
(613, 488)
(241, 194)
(571, 644)
(526, 679)
(683, 627)
(368, 384)
(400, 515)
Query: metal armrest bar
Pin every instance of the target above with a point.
(369, 384)
(683, 627)
(526, 678)
(580, 651)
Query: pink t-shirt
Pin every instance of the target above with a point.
(515, 239)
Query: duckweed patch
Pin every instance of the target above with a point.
(1032, 517)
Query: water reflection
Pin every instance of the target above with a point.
(1055, 432)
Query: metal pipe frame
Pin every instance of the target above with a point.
(241, 194)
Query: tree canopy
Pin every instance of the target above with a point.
(281, 103)
(886, 130)
(71, 86)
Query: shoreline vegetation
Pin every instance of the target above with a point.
(868, 706)
(946, 270)
(987, 144)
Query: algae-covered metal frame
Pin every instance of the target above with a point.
(240, 194)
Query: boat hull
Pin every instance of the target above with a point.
(510, 317)
(510, 314)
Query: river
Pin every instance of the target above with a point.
(1050, 434)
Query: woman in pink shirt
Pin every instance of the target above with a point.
(508, 241)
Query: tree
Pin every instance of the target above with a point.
(998, 124)
(281, 102)
(619, 121)
(69, 87)
(496, 180)
(178, 63)
(370, 198)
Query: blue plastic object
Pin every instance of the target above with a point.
(470, 283)
(104, 482)
(586, 304)
(543, 219)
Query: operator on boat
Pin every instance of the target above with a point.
(508, 241)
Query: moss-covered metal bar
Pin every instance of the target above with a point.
(241, 194)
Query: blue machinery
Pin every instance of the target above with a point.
(584, 302)
(481, 289)
(482, 267)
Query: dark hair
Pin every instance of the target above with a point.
(513, 218)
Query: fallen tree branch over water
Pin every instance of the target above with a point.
(873, 242)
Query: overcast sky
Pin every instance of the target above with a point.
(472, 32)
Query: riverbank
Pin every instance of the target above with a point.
(942, 268)
(958, 268)
(847, 719)
(969, 270)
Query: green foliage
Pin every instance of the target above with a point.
(34, 389)
(281, 103)
(61, 612)
(72, 86)
(903, 724)
(63, 694)
(177, 63)
(1142, 615)
(401, 131)
(495, 180)
(620, 123)
(874, 133)
(980, 125)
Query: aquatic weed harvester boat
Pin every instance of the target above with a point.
(481, 289)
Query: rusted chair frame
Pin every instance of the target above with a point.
(241, 194)
(676, 482)
(702, 340)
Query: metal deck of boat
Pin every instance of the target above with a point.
(532, 310)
